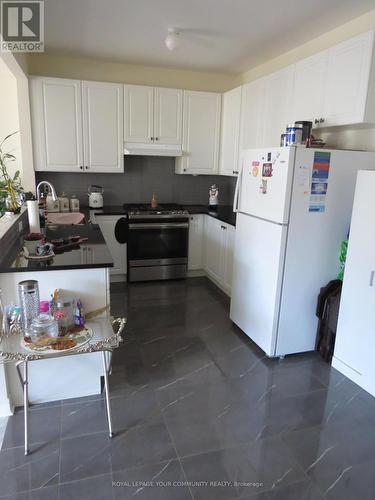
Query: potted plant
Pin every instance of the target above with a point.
(10, 187)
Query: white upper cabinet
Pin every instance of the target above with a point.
(138, 113)
(348, 83)
(252, 107)
(230, 129)
(56, 113)
(277, 106)
(76, 126)
(168, 115)
(103, 126)
(201, 130)
(309, 81)
(152, 115)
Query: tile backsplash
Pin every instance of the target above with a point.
(143, 176)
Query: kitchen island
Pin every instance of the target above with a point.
(82, 272)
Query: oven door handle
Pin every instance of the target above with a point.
(166, 225)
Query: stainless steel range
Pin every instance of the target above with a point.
(157, 242)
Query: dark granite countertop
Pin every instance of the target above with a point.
(224, 212)
(77, 258)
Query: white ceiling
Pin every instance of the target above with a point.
(216, 35)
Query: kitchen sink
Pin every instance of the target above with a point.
(68, 218)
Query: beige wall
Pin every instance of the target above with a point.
(15, 116)
(92, 69)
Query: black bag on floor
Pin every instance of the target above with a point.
(327, 310)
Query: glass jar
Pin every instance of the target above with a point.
(64, 314)
(44, 330)
(28, 291)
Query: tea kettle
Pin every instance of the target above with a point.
(95, 194)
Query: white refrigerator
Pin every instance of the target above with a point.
(293, 210)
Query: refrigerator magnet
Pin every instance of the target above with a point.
(255, 171)
(267, 170)
(263, 187)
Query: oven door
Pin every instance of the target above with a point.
(157, 250)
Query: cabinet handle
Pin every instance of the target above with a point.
(372, 278)
(223, 227)
(156, 138)
(152, 138)
(321, 120)
(87, 167)
(235, 171)
(316, 121)
(185, 169)
(81, 167)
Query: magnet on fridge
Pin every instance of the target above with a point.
(255, 171)
(263, 187)
(267, 170)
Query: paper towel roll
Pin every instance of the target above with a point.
(33, 214)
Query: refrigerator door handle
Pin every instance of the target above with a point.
(237, 190)
(372, 278)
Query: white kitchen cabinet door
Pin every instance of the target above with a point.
(309, 87)
(252, 105)
(56, 113)
(348, 80)
(230, 233)
(201, 130)
(138, 113)
(277, 110)
(168, 115)
(107, 225)
(103, 113)
(355, 341)
(196, 232)
(230, 131)
(214, 244)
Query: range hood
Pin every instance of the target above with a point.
(146, 149)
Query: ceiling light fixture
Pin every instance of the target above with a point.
(172, 40)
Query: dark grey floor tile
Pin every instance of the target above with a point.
(84, 399)
(85, 456)
(241, 471)
(191, 396)
(138, 409)
(162, 481)
(47, 493)
(44, 426)
(141, 445)
(332, 448)
(234, 424)
(240, 362)
(83, 418)
(350, 482)
(302, 490)
(21, 473)
(95, 488)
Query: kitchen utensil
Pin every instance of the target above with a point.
(95, 194)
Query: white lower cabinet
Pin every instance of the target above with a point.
(218, 254)
(196, 233)
(107, 224)
(230, 233)
(355, 340)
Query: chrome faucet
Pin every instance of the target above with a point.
(53, 191)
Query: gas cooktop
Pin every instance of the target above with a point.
(161, 209)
